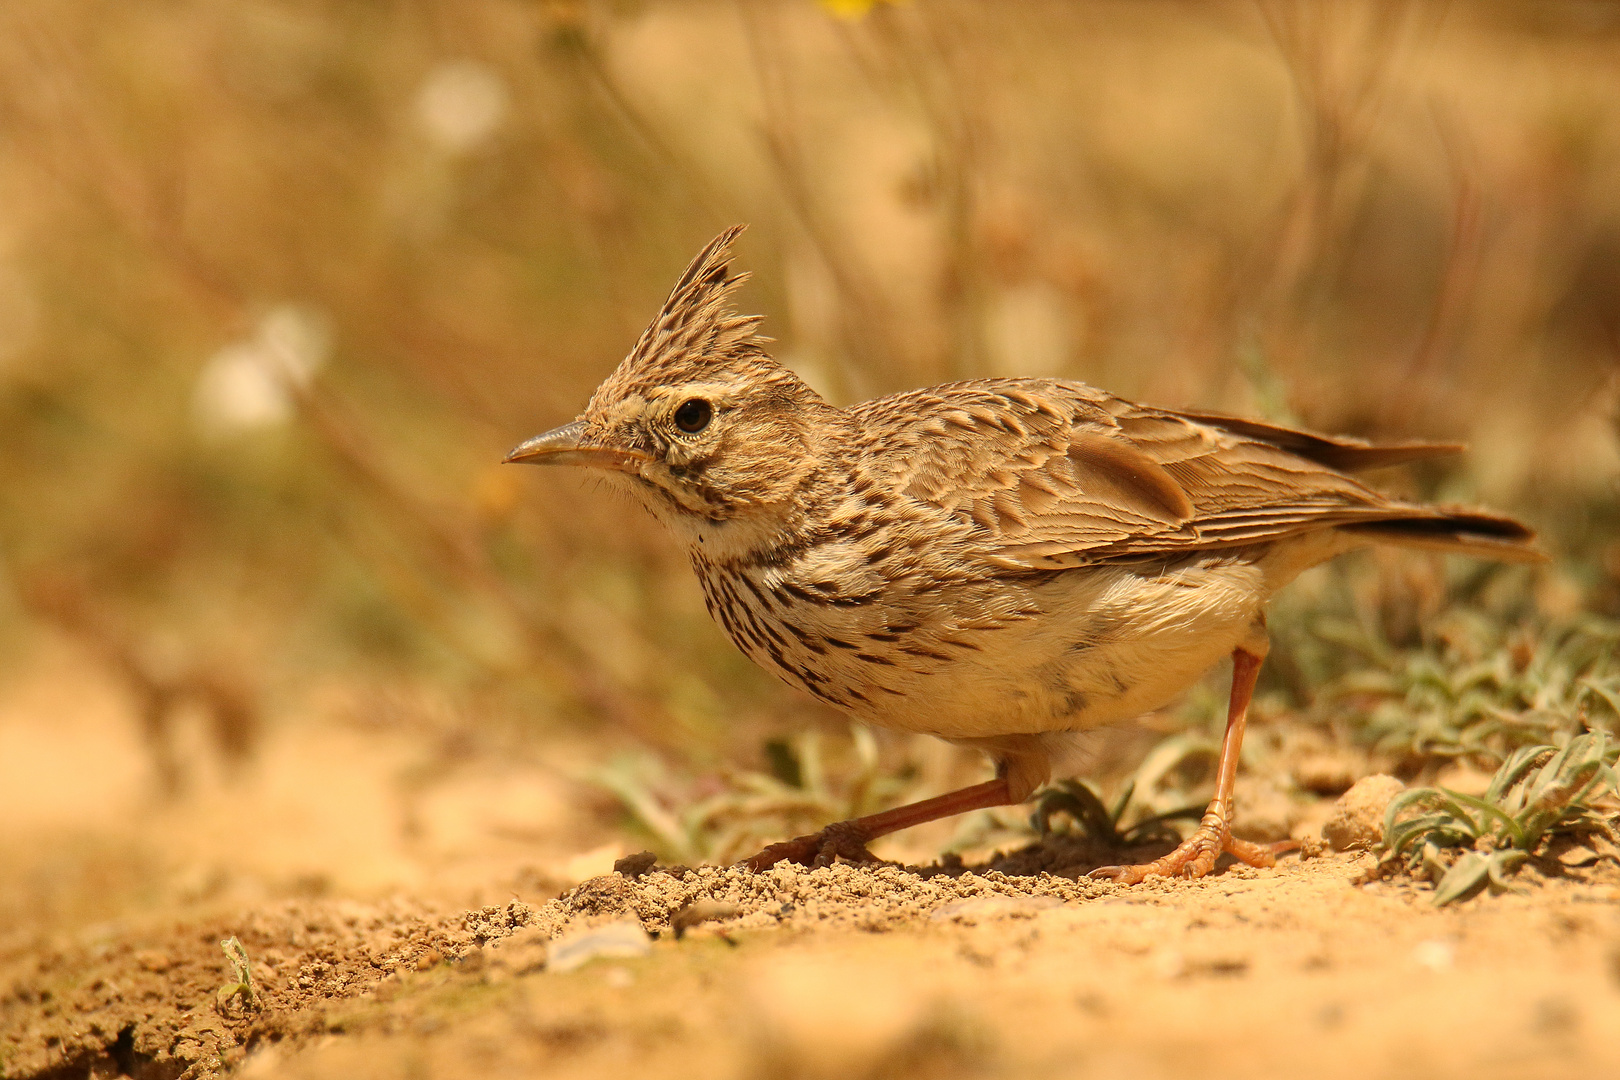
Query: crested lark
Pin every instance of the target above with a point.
(1002, 563)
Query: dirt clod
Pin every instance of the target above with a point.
(152, 960)
(1326, 773)
(1358, 816)
(633, 866)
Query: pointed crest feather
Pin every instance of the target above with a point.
(697, 320)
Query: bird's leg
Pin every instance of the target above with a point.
(848, 839)
(1196, 855)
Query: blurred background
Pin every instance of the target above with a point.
(281, 281)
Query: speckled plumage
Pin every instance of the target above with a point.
(1000, 562)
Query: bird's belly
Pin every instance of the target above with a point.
(1108, 644)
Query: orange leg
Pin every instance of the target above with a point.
(1197, 854)
(849, 838)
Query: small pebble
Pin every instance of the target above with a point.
(1435, 954)
(620, 940)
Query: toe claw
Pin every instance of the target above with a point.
(1195, 857)
(795, 850)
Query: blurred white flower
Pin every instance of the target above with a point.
(461, 104)
(247, 384)
(237, 391)
(295, 340)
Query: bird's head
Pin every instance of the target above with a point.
(698, 421)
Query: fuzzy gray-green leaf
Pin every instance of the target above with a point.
(1464, 878)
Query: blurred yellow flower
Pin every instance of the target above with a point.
(853, 9)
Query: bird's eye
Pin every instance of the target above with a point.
(693, 415)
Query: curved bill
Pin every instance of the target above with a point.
(561, 446)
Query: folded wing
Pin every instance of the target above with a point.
(1061, 474)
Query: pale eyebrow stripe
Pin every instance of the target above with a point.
(713, 391)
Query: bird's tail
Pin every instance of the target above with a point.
(1459, 531)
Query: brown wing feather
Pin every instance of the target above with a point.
(1336, 451)
(1107, 461)
(1061, 474)
(1039, 466)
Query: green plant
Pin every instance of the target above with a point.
(1539, 792)
(242, 971)
(1076, 799)
(804, 790)
(1483, 689)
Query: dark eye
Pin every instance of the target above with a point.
(693, 415)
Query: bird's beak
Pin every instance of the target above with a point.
(561, 446)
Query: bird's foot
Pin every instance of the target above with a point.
(1196, 856)
(840, 840)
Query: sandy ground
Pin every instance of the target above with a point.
(423, 935)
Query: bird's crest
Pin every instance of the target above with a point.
(697, 320)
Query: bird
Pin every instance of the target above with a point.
(1003, 563)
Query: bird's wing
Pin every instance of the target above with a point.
(1049, 474)
(1339, 452)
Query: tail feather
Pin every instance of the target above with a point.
(1341, 452)
(1459, 531)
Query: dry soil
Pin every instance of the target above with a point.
(423, 935)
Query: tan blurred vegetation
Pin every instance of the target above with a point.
(281, 281)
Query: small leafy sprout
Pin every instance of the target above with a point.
(1076, 799)
(1539, 792)
(243, 987)
(805, 789)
